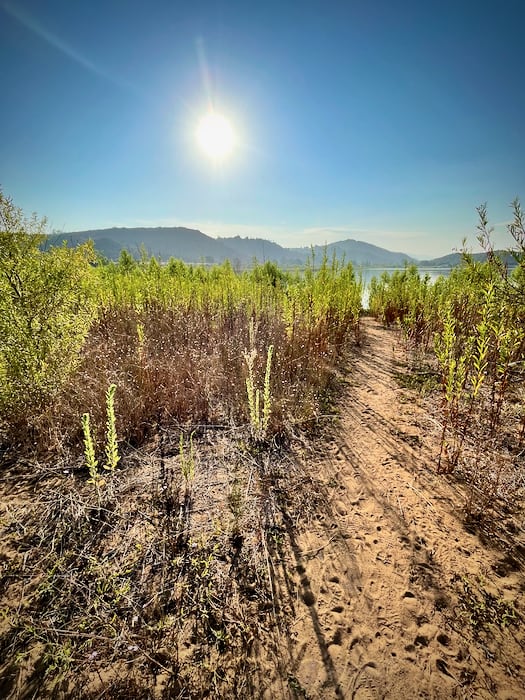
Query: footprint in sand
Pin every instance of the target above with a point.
(357, 499)
(367, 683)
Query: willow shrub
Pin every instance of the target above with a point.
(409, 300)
(46, 309)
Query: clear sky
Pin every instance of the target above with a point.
(380, 120)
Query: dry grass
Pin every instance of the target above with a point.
(167, 582)
(176, 367)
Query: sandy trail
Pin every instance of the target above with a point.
(382, 607)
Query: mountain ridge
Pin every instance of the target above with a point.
(194, 246)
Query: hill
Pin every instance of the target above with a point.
(361, 253)
(178, 242)
(454, 259)
(194, 246)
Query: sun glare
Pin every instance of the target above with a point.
(215, 136)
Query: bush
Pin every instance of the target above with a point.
(45, 311)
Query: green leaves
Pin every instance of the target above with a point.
(112, 455)
(259, 419)
(89, 448)
(45, 310)
(111, 448)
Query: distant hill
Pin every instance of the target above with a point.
(455, 259)
(359, 253)
(177, 242)
(194, 246)
(246, 249)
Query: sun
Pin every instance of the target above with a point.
(215, 136)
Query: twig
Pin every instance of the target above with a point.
(420, 495)
(316, 550)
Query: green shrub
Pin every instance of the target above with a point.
(45, 311)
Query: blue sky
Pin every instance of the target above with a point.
(387, 122)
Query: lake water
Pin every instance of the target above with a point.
(368, 272)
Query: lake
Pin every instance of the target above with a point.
(368, 272)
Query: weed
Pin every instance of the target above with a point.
(89, 450)
(236, 504)
(423, 380)
(187, 462)
(111, 447)
(297, 688)
(112, 455)
(140, 342)
(259, 419)
(476, 320)
(58, 660)
(174, 334)
(482, 609)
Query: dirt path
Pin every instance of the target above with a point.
(394, 598)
